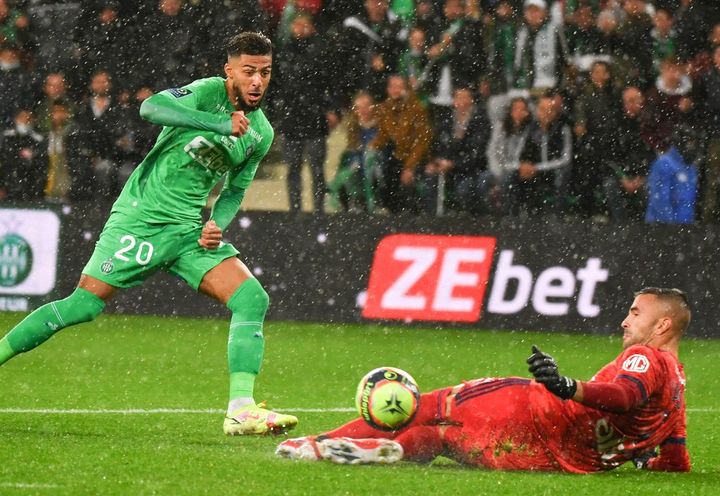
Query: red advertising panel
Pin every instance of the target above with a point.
(426, 277)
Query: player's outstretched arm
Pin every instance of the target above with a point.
(165, 110)
(545, 371)
(616, 397)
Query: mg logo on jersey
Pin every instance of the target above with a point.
(636, 363)
(424, 277)
(444, 278)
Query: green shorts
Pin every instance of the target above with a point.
(129, 251)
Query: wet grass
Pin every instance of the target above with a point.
(122, 363)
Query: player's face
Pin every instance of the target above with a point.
(642, 321)
(248, 77)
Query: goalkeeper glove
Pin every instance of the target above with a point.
(545, 371)
(641, 461)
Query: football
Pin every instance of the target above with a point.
(387, 398)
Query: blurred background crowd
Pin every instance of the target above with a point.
(592, 109)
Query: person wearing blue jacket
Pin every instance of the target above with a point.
(673, 182)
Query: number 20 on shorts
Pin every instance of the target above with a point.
(144, 252)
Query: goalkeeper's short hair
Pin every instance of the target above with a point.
(678, 301)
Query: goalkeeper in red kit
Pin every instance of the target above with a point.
(630, 408)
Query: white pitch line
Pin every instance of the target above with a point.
(150, 411)
(206, 411)
(28, 485)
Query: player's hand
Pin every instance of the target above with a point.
(240, 123)
(211, 236)
(544, 369)
(641, 462)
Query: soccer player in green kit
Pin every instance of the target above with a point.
(212, 127)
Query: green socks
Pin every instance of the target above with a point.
(40, 325)
(246, 343)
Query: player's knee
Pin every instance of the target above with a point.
(250, 298)
(81, 306)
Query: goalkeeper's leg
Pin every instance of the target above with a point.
(81, 306)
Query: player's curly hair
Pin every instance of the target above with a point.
(248, 43)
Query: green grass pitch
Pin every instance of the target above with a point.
(144, 363)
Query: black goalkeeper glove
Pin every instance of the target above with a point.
(545, 371)
(642, 460)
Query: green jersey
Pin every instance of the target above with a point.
(192, 154)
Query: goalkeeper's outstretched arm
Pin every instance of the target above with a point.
(616, 397)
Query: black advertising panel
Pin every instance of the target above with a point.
(464, 272)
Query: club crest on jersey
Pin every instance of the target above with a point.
(179, 92)
(249, 150)
(636, 363)
(107, 266)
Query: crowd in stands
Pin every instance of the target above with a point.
(602, 109)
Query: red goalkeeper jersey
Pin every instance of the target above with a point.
(587, 439)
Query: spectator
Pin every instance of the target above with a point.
(673, 179)
(671, 100)
(59, 180)
(691, 23)
(629, 160)
(133, 137)
(168, 48)
(143, 132)
(584, 38)
(502, 47)
(664, 38)
(456, 56)
(404, 10)
(426, 17)
(506, 144)
(597, 113)
(710, 115)
(93, 141)
(702, 61)
(402, 143)
(225, 19)
(23, 160)
(541, 51)
(13, 83)
(539, 183)
(354, 183)
(54, 32)
(413, 60)
(304, 108)
(54, 90)
(280, 14)
(633, 45)
(14, 26)
(369, 45)
(103, 43)
(458, 158)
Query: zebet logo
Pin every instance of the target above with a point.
(443, 278)
(429, 277)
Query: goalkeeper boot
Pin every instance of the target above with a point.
(345, 450)
(299, 448)
(256, 419)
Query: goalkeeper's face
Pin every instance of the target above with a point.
(646, 319)
(248, 77)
